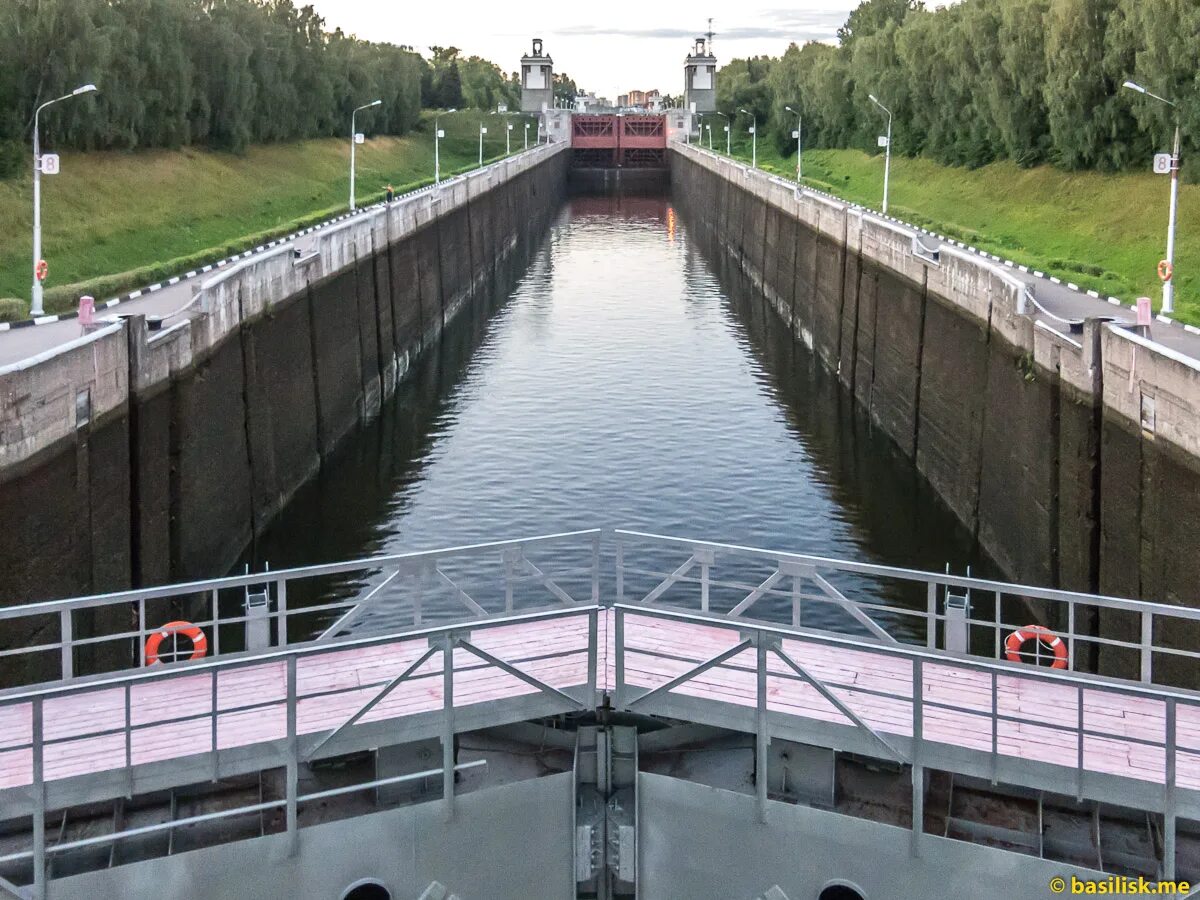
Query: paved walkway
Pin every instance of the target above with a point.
(17, 344)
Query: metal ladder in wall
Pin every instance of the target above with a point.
(606, 766)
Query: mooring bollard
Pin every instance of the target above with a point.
(87, 313)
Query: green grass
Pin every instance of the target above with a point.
(1100, 231)
(112, 222)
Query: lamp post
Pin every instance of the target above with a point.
(887, 161)
(438, 134)
(728, 121)
(482, 132)
(527, 135)
(35, 295)
(753, 138)
(799, 141)
(354, 143)
(507, 138)
(709, 127)
(1168, 296)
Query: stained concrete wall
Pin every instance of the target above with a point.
(198, 434)
(1073, 459)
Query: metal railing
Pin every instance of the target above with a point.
(255, 610)
(439, 663)
(770, 602)
(892, 605)
(923, 695)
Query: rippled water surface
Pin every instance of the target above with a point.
(620, 384)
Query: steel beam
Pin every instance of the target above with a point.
(851, 607)
(839, 704)
(447, 648)
(669, 582)
(517, 673)
(691, 673)
(370, 704)
(756, 594)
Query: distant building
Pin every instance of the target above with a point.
(537, 80)
(700, 78)
(622, 100)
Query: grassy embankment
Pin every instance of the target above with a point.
(1100, 231)
(113, 222)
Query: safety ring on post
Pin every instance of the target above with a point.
(1165, 270)
(41, 270)
(187, 629)
(1014, 642)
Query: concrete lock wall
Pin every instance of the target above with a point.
(133, 457)
(1073, 459)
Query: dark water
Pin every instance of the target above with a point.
(621, 384)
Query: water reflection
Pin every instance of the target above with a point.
(623, 383)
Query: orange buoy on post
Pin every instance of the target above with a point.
(1165, 270)
(193, 632)
(1016, 640)
(41, 270)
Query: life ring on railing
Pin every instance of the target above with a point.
(187, 629)
(41, 270)
(1016, 640)
(1165, 270)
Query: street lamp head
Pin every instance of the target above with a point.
(874, 99)
(84, 89)
(789, 109)
(375, 103)
(1134, 87)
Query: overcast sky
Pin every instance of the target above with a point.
(608, 47)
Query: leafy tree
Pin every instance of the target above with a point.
(872, 16)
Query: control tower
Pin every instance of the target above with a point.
(537, 80)
(700, 78)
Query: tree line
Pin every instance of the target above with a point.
(1033, 81)
(219, 73)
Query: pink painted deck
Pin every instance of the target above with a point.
(878, 687)
(71, 723)
(334, 684)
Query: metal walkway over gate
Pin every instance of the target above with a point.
(842, 655)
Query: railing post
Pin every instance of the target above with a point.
(293, 761)
(706, 558)
(281, 608)
(596, 568)
(995, 730)
(418, 596)
(67, 634)
(141, 632)
(619, 660)
(510, 565)
(1079, 743)
(593, 654)
(216, 620)
(215, 709)
(448, 726)
(931, 615)
(1147, 646)
(620, 570)
(1169, 799)
(918, 770)
(39, 803)
(1071, 635)
(763, 738)
(128, 741)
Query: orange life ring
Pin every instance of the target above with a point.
(1014, 642)
(187, 629)
(1165, 270)
(41, 270)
